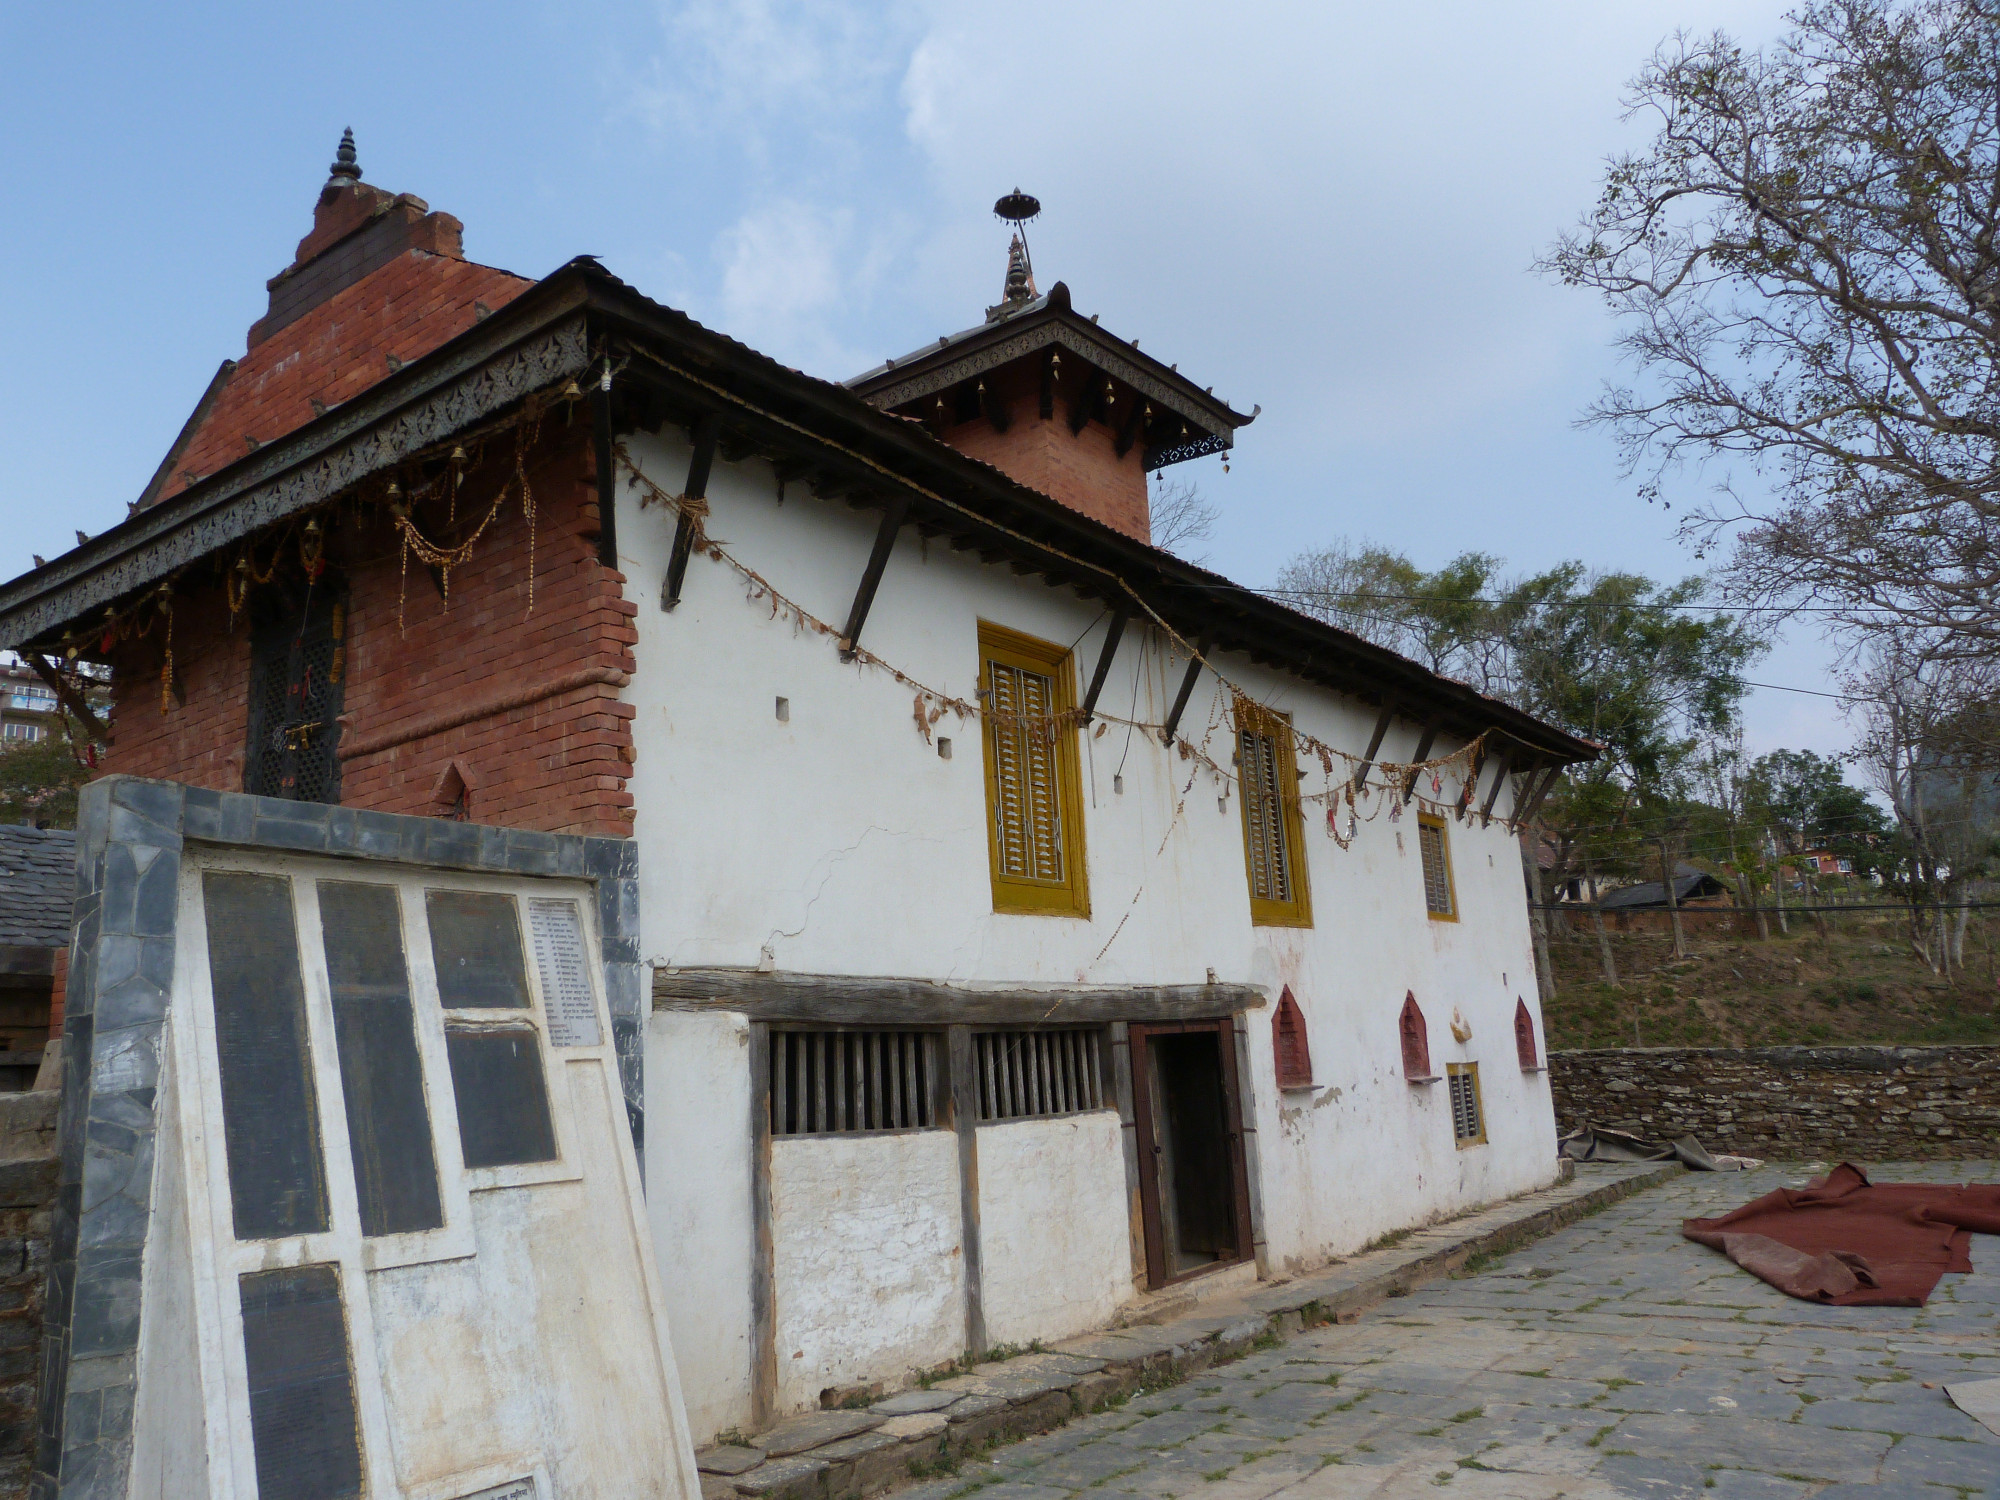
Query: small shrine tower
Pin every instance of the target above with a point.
(1053, 400)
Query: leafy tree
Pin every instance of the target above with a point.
(1804, 258)
(1806, 800)
(39, 779)
(1634, 665)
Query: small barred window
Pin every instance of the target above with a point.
(1468, 1121)
(1021, 1074)
(848, 1082)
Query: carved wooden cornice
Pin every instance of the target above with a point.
(379, 428)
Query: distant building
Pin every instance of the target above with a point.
(27, 705)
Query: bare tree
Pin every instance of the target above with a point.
(1911, 697)
(1182, 516)
(1806, 264)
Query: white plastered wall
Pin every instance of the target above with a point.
(840, 841)
(1055, 1255)
(869, 1259)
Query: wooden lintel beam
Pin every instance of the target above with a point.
(871, 576)
(1424, 743)
(842, 1000)
(1382, 721)
(696, 489)
(1173, 723)
(1110, 650)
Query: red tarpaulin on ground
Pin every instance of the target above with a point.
(1845, 1240)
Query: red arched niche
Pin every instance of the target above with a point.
(1416, 1042)
(1289, 1047)
(1524, 1036)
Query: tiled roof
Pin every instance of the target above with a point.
(402, 310)
(37, 885)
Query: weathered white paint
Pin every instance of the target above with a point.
(870, 1270)
(168, 1410)
(840, 841)
(525, 1337)
(1055, 1254)
(698, 1126)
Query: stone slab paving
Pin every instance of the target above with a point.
(1611, 1359)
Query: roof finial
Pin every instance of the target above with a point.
(1020, 285)
(344, 163)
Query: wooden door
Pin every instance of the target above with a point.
(1194, 1194)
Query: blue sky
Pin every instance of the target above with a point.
(1330, 210)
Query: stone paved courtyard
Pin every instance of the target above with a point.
(1613, 1358)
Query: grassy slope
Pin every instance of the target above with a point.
(1859, 984)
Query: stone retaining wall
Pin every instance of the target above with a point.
(27, 1195)
(1854, 1103)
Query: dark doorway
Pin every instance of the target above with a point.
(1192, 1188)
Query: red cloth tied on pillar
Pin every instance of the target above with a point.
(1844, 1240)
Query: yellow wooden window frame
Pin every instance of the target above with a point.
(1436, 824)
(1470, 1071)
(1066, 894)
(1279, 761)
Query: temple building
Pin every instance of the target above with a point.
(980, 923)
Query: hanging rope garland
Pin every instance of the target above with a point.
(930, 704)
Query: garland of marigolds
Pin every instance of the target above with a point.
(1347, 805)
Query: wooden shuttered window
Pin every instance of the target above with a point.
(1034, 802)
(1273, 827)
(1440, 899)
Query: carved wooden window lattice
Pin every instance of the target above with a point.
(1024, 1074)
(1524, 1037)
(297, 668)
(1416, 1036)
(1289, 1045)
(848, 1082)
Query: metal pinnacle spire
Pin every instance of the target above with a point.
(344, 163)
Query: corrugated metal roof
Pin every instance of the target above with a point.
(37, 886)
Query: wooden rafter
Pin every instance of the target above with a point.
(1110, 650)
(871, 576)
(696, 489)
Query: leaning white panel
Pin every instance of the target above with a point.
(514, 1350)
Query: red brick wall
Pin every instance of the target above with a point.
(556, 762)
(1082, 470)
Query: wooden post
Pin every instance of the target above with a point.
(1382, 721)
(965, 1121)
(763, 1250)
(871, 576)
(1201, 650)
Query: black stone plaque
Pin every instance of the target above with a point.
(302, 1418)
(476, 944)
(270, 1110)
(388, 1121)
(503, 1099)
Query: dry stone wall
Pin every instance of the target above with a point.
(1854, 1103)
(27, 1195)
